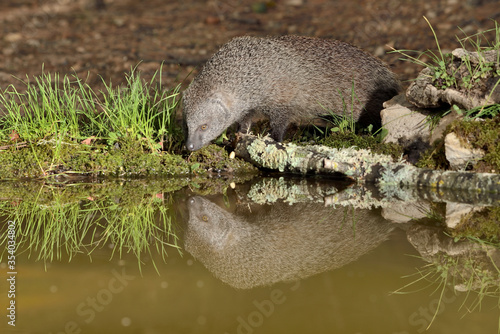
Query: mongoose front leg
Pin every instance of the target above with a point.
(245, 123)
(279, 121)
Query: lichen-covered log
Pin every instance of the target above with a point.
(360, 165)
(269, 190)
(267, 153)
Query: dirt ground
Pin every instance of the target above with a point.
(106, 38)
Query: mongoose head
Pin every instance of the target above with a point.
(205, 119)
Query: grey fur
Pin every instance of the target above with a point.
(288, 79)
(280, 242)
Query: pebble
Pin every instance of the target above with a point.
(13, 37)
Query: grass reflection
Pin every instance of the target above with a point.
(57, 223)
(467, 278)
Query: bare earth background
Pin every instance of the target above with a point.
(107, 38)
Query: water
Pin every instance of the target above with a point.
(269, 256)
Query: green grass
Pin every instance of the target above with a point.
(443, 70)
(346, 122)
(342, 131)
(487, 111)
(60, 126)
(67, 109)
(484, 68)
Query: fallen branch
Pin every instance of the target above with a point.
(16, 145)
(363, 166)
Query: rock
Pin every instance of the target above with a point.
(455, 212)
(13, 37)
(474, 58)
(423, 94)
(430, 241)
(408, 126)
(441, 250)
(379, 51)
(405, 212)
(458, 154)
(294, 2)
(404, 123)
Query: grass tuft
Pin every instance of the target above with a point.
(447, 72)
(68, 110)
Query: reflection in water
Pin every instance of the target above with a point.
(253, 237)
(266, 244)
(468, 265)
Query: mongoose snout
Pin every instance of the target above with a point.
(287, 79)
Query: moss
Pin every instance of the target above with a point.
(131, 159)
(434, 157)
(482, 134)
(360, 141)
(481, 225)
(128, 157)
(27, 162)
(213, 159)
(479, 133)
(49, 158)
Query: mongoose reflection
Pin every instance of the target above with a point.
(287, 79)
(279, 242)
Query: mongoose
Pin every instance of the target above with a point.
(288, 78)
(279, 242)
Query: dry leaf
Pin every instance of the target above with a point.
(88, 141)
(14, 135)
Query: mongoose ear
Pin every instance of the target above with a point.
(225, 101)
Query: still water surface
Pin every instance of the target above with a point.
(271, 256)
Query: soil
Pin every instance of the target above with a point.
(103, 39)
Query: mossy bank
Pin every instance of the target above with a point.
(61, 128)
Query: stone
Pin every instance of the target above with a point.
(13, 37)
(460, 154)
(423, 94)
(456, 211)
(404, 124)
(409, 126)
(294, 2)
(405, 212)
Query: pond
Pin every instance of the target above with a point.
(265, 255)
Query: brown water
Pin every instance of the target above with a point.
(248, 267)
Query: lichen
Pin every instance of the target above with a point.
(271, 190)
(399, 176)
(314, 158)
(268, 156)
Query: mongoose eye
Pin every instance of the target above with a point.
(204, 218)
(204, 127)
